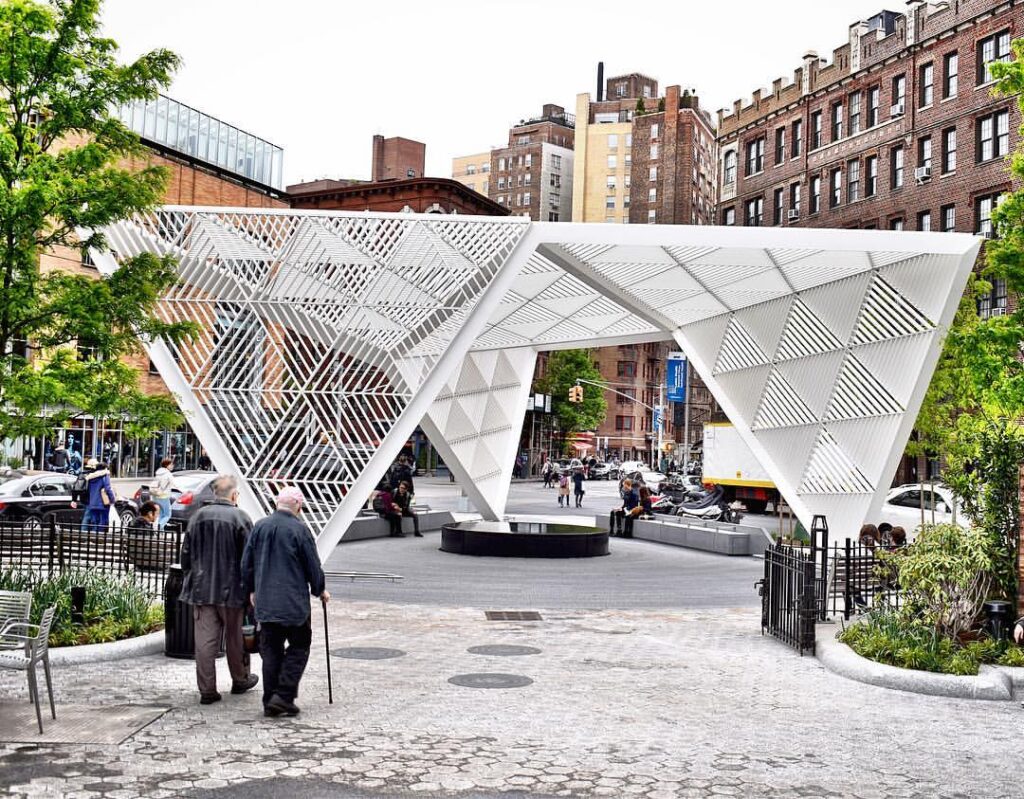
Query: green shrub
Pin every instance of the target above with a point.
(115, 607)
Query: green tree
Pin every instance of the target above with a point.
(641, 109)
(564, 368)
(62, 179)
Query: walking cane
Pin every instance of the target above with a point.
(327, 645)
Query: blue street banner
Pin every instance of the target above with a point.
(675, 374)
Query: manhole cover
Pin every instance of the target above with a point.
(367, 653)
(491, 680)
(503, 650)
(512, 615)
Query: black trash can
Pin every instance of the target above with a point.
(179, 629)
(999, 619)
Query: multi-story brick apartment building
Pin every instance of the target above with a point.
(899, 131)
(532, 175)
(210, 163)
(396, 158)
(649, 162)
(474, 172)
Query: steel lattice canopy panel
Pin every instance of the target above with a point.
(327, 337)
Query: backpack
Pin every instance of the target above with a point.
(80, 486)
(563, 481)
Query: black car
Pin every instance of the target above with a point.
(24, 500)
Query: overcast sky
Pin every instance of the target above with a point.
(321, 77)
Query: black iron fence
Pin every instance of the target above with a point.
(789, 596)
(60, 544)
(858, 580)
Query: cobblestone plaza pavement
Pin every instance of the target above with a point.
(641, 701)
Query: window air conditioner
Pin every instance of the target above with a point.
(997, 312)
(923, 173)
(896, 110)
(793, 216)
(988, 234)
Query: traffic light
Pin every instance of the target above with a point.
(576, 394)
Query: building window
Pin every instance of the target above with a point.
(652, 216)
(729, 216)
(948, 217)
(778, 206)
(896, 167)
(501, 183)
(652, 195)
(995, 299)
(626, 396)
(626, 369)
(529, 160)
(837, 121)
(874, 98)
(485, 187)
(556, 161)
(526, 198)
(487, 167)
(896, 224)
(654, 131)
(991, 49)
(993, 135)
(816, 138)
(926, 85)
(654, 151)
(899, 94)
(755, 156)
(610, 181)
(624, 423)
(797, 137)
(949, 150)
(924, 152)
(924, 221)
(730, 167)
(613, 141)
(794, 199)
(552, 216)
(780, 145)
(755, 212)
(983, 208)
(815, 194)
(526, 179)
(501, 164)
(855, 113)
(653, 173)
(852, 181)
(609, 202)
(871, 176)
(835, 182)
(951, 75)
(613, 161)
(471, 169)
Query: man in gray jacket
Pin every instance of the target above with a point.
(211, 558)
(281, 565)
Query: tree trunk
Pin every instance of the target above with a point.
(1020, 543)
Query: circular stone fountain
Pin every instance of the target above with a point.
(523, 539)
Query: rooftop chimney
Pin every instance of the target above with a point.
(600, 81)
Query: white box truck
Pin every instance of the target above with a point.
(728, 462)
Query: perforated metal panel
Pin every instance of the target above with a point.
(326, 337)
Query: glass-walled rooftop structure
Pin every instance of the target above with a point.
(178, 127)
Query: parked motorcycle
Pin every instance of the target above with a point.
(711, 507)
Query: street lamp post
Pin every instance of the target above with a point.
(657, 413)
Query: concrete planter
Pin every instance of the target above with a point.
(992, 682)
(149, 644)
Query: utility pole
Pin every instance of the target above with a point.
(661, 424)
(686, 419)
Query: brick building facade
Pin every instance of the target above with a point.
(397, 158)
(899, 131)
(419, 195)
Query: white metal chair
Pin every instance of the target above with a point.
(31, 650)
(15, 606)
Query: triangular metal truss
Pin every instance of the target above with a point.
(327, 337)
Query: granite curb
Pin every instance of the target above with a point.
(992, 683)
(149, 644)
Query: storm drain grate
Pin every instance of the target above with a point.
(513, 615)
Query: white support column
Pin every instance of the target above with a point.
(432, 385)
(477, 420)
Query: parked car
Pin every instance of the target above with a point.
(601, 471)
(902, 507)
(25, 500)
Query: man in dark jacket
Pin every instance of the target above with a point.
(281, 568)
(211, 558)
(401, 472)
(100, 496)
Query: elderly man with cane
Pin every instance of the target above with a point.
(281, 569)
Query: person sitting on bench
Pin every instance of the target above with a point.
(402, 498)
(621, 519)
(384, 505)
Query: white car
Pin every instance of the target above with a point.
(902, 507)
(628, 467)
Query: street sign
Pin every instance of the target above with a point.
(675, 375)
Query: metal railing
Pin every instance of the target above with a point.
(859, 580)
(59, 544)
(789, 604)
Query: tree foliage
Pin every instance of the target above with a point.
(62, 179)
(564, 368)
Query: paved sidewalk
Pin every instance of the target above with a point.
(650, 703)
